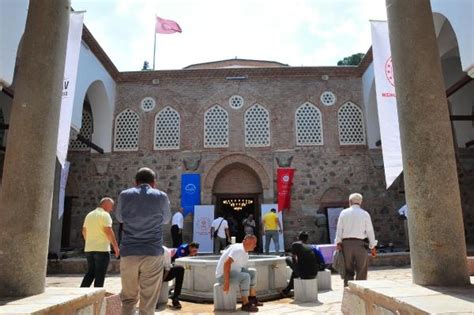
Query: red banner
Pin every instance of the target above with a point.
(284, 182)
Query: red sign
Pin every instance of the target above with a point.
(284, 182)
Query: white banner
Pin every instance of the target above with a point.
(62, 188)
(333, 216)
(265, 209)
(69, 84)
(386, 102)
(203, 217)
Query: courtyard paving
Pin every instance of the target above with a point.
(329, 301)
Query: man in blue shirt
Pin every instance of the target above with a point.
(143, 210)
(184, 250)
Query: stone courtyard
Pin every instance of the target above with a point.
(329, 300)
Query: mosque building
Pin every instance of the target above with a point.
(235, 122)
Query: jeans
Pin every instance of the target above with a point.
(246, 279)
(272, 234)
(219, 244)
(97, 263)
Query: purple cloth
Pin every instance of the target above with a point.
(327, 250)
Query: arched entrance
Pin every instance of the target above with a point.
(237, 192)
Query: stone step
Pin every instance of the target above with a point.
(57, 301)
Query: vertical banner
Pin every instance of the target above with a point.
(190, 192)
(333, 216)
(284, 182)
(265, 209)
(62, 188)
(69, 84)
(386, 102)
(203, 217)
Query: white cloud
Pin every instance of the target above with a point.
(300, 32)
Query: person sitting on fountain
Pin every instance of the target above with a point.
(171, 272)
(304, 263)
(231, 270)
(185, 250)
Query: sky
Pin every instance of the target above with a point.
(293, 32)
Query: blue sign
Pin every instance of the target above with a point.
(190, 192)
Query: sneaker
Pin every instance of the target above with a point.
(176, 304)
(250, 308)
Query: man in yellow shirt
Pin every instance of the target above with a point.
(271, 229)
(98, 235)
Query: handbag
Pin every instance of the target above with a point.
(338, 263)
(217, 230)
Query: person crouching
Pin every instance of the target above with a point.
(231, 270)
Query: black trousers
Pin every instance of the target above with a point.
(176, 236)
(176, 272)
(295, 274)
(97, 263)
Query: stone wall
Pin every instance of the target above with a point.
(324, 177)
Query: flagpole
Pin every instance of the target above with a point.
(154, 51)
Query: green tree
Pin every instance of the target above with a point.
(352, 60)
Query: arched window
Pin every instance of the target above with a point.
(127, 125)
(167, 129)
(216, 128)
(309, 125)
(351, 124)
(257, 127)
(86, 132)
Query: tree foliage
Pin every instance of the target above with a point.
(352, 60)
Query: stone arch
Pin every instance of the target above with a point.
(334, 195)
(227, 163)
(102, 115)
(237, 178)
(461, 102)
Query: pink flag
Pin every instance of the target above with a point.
(166, 26)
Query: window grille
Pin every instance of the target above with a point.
(351, 124)
(86, 132)
(236, 101)
(167, 129)
(127, 125)
(328, 98)
(148, 103)
(216, 128)
(257, 127)
(309, 125)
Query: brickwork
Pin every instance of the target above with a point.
(325, 174)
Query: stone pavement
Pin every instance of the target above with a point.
(329, 301)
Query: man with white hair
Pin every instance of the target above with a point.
(353, 227)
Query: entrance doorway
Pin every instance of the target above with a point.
(237, 192)
(236, 208)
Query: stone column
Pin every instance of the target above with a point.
(28, 176)
(438, 249)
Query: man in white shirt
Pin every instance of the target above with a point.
(231, 270)
(353, 226)
(177, 228)
(221, 227)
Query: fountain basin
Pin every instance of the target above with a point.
(200, 276)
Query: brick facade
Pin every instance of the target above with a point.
(325, 174)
